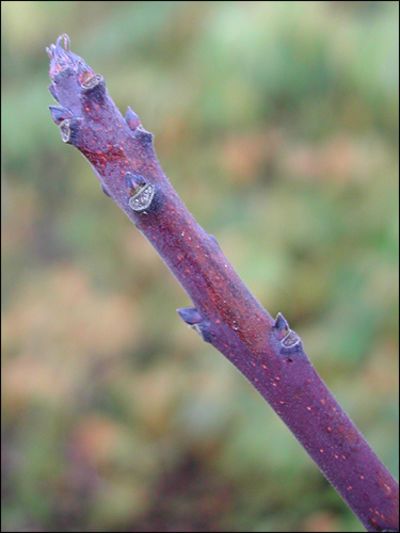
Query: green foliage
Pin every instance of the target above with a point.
(277, 123)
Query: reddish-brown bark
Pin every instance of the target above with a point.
(225, 313)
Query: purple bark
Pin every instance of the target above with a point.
(225, 313)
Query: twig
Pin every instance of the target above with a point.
(225, 314)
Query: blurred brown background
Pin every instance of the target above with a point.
(277, 123)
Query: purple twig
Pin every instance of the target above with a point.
(225, 314)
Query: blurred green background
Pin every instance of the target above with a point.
(277, 123)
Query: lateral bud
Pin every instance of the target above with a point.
(132, 119)
(281, 326)
(58, 114)
(190, 315)
(143, 136)
(289, 341)
(134, 182)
